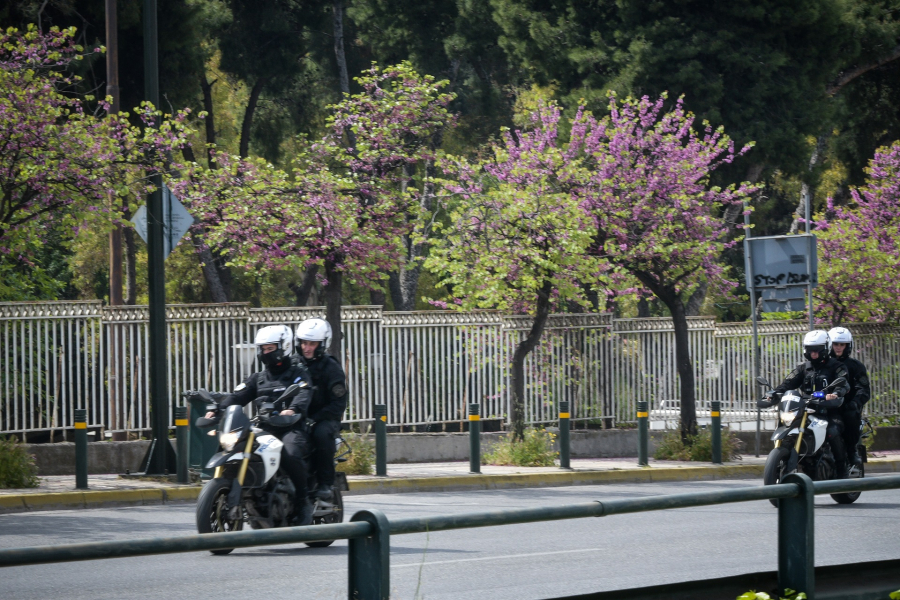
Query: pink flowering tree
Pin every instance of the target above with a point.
(860, 248)
(347, 203)
(57, 160)
(654, 215)
(517, 238)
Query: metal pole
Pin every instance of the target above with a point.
(81, 458)
(475, 438)
(716, 425)
(796, 548)
(369, 559)
(156, 271)
(181, 443)
(748, 267)
(564, 435)
(809, 287)
(381, 440)
(643, 419)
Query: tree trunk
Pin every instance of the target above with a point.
(217, 290)
(130, 259)
(333, 300)
(517, 408)
(247, 125)
(643, 308)
(303, 290)
(209, 121)
(377, 297)
(685, 367)
(340, 57)
(805, 194)
(695, 302)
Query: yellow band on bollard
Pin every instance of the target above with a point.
(714, 413)
(641, 415)
(384, 418)
(80, 425)
(181, 422)
(563, 415)
(474, 417)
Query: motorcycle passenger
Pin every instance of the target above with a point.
(813, 375)
(274, 348)
(856, 398)
(329, 399)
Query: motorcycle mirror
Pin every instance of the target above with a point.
(763, 381)
(205, 395)
(292, 391)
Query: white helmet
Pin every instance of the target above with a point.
(841, 335)
(281, 336)
(315, 330)
(816, 341)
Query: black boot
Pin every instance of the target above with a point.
(842, 471)
(853, 457)
(324, 493)
(303, 513)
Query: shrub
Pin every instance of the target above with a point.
(699, 447)
(362, 458)
(791, 595)
(536, 450)
(17, 469)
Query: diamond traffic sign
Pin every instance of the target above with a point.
(176, 221)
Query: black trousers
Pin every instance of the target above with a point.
(834, 437)
(852, 421)
(292, 459)
(323, 435)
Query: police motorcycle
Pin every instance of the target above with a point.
(248, 484)
(800, 440)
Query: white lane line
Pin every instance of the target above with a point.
(505, 556)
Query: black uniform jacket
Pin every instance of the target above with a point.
(330, 397)
(809, 378)
(860, 392)
(267, 383)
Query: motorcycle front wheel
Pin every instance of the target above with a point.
(336, 517)
(212, 509)
(855, 473)
(774, 469)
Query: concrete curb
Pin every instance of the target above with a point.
(13, 503)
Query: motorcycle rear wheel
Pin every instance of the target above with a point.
(774, 469)
(855, 473)
(211, 510)
(336, 517)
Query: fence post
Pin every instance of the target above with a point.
(796, 536)
(181, 444)
(716, 430)
(643, 418)
(369, 559)
(474, 438)
(81, 458)
(564, 434)
(381, 440)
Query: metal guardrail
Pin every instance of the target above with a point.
(369, 531)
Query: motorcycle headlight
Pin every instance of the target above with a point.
(787, 416)
(228, 439)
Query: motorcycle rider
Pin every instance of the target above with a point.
(856, 398)
(814, 374)
(274, 348)
(329, 399)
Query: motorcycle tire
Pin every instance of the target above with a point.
(774, 469)
(336, 517)
(211, 509)
(850, 498)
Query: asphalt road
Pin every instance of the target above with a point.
(532, 561)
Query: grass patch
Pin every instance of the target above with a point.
(361, 460)
(699, 447)
(536, 450)
(17, 468)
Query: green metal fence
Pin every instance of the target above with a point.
(369, 531)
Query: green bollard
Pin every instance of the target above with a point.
(181, 444)
(381, 440)
(716, 425)
(796, 538)
(81, 459)
(369, 559)
(564, 435)
(474, 438)
(643, 419)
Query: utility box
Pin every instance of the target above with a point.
(201, 445)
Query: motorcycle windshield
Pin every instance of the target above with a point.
(235, 420)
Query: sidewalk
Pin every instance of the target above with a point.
(58, 492)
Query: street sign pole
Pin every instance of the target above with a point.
(748, 267)
(156, 461)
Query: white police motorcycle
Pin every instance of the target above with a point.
(248, 484)
(800, 441)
